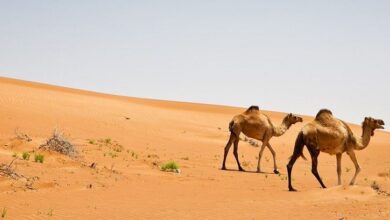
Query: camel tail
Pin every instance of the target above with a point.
(299, 144)
(231, 126)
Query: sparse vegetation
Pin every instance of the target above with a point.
(375, 186)
(39, 158)
(117, 148)
(246, 163)
(22, 136)
(112, 154)
(26, 156)
(133, 154)
(347, 169)
(8, 171)
(185, 158)
(107, 141)
(15, 155)
(57, 142)
(171, 166)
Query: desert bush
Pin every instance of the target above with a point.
(57, 142)
(170, 166)
(39, 158)
(26, 155)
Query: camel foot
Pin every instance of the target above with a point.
(240, 169)
(291, 189)
(351, 184)
(223, 168)
(276, 172)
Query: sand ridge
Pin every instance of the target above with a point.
(127, 182)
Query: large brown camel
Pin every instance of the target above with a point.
(333, 136)
(256, 125)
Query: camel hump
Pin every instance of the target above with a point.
(323, 112)
(253, 108)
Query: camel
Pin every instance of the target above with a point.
(258, 126)
(333, 136)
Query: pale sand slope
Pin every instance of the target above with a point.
(127, 184)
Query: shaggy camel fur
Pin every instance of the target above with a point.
(333, 136)
(256, 125)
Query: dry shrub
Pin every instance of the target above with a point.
(8, 171)
(22, 136)
(57, 142)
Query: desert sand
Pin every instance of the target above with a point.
(128, 138)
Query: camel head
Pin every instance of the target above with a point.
(373, 124)
(292, 119)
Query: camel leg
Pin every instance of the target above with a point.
(357, 167)
(298, 148)
(274, 157)
(227, 148)
(260, 155)
(235, 152)
(290, 165)
(338, 156)
(314, 160)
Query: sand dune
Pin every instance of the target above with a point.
(127, 138)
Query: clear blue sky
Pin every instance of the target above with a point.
(293, 56)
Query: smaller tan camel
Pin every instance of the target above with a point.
(333, 136)
(256, 125)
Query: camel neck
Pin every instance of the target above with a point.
(364, 140)
(281, 129)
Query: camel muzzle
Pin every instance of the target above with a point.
(381, 124)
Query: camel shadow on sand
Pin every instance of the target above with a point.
(246, 171)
